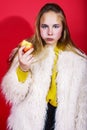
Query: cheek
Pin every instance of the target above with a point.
(58, 33)
(43, 33)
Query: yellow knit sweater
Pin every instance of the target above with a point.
(52, 93)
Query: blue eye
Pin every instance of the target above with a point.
(56, 26)
(44, 26)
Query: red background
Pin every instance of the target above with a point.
(17, 19)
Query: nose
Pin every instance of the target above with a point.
(50, 31)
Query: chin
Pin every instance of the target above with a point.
(50, 43)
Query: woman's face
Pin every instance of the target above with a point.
(51, 27)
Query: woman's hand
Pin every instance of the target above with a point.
(25, 59)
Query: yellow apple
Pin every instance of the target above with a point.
(28, 45)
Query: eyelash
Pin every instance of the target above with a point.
(56, 26)
(45, 26)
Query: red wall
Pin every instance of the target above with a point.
(17, 22)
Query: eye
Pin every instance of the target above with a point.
(56, 26)
(44, 26)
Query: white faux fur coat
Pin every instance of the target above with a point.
(29, 98)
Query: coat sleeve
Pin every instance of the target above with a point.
(81, 119)
(15, 91)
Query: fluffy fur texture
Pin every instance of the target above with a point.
(29, 99)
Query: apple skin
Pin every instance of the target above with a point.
(28, 45)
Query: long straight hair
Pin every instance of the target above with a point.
(65, 39)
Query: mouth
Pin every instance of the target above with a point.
(49, 39)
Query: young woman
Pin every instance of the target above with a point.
(47, 85)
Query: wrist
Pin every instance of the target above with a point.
(22, 75)
(23, 69)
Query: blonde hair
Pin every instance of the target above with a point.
(65, 41)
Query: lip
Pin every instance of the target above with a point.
(49, 39)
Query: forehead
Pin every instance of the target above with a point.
(50, 17)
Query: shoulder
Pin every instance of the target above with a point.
(70, 55)
(69, 59)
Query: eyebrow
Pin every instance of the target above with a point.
(44, 24)
(48, 25)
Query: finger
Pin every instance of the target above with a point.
(31, 60)
(20, 52)
(27, 58)
(21, 49)
(29, 51)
